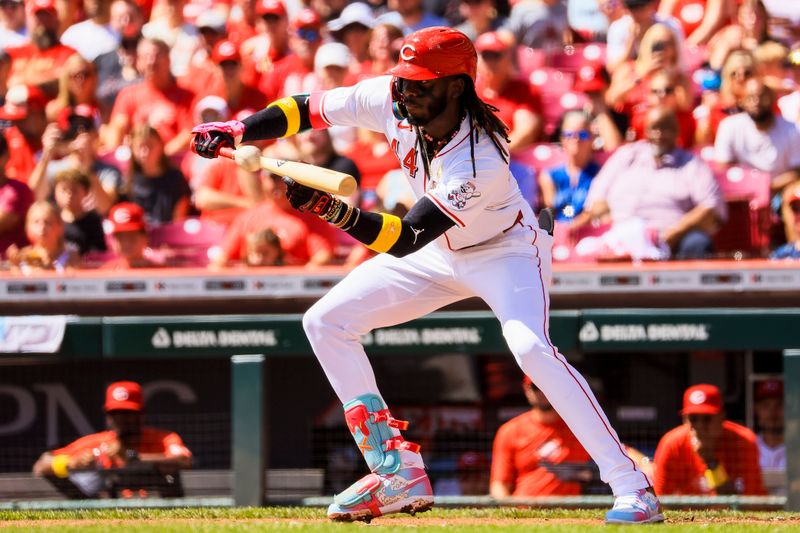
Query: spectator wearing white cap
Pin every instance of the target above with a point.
(353, 28)
(93, 36)
(331, 67)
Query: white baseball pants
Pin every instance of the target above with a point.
(511, 276)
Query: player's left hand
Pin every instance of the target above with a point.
(305, 198)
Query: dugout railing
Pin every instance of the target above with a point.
(590, 332)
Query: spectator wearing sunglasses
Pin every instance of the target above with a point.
(707, 454)
(535, 453)
(565, 186)
(519, 106)
(664, 90)
(739, 67)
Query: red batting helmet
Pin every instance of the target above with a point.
(436, 52)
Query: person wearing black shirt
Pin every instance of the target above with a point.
(83, 229)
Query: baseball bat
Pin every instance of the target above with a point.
(322, 179)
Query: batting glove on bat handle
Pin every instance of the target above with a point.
(305, 198)
(211, 136)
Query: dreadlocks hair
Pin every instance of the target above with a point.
(483, 116)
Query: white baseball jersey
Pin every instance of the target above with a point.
(482, 206)
(495, 251)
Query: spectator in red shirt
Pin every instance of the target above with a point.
(518, 105)
(664, 91)
(157, 101)
(39, 62)
(201, 72)
(699, 19)
(535, 453)
(295, 75)
(707, 454)
(303, 239)
(126, 442)
(242, 21)
(269, 47)
(223, 190)
(128, 238)
(15, 199)
(630, 81)
(24, 109)
(229, 81)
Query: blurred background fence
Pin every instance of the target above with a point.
(450, 375)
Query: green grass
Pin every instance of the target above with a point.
(313, 519)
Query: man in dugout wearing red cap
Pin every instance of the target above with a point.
(707, 454)
(127, 441)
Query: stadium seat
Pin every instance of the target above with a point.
(540, 156)
(557, 96)
(572, 57)
(190, 242)
(747, 193)
(530, 59)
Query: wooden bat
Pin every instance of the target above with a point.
(322, 179)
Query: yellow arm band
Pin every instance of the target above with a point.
(59, 465)
(716, 477)
(390, 232)
(289, 107)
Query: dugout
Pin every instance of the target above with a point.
(457, 382)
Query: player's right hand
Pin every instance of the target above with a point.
(211, 136)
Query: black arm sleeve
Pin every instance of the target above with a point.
(272, 123)
(423, 224)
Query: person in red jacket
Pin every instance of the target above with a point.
(707, 454)
(126, 441)
(535, 453)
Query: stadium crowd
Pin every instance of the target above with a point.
(656, 129)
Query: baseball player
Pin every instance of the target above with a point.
(470, 233)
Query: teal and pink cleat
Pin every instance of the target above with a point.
(407, 491)
(398, 482)
(640, 507)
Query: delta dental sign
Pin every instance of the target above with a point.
(614, 333)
